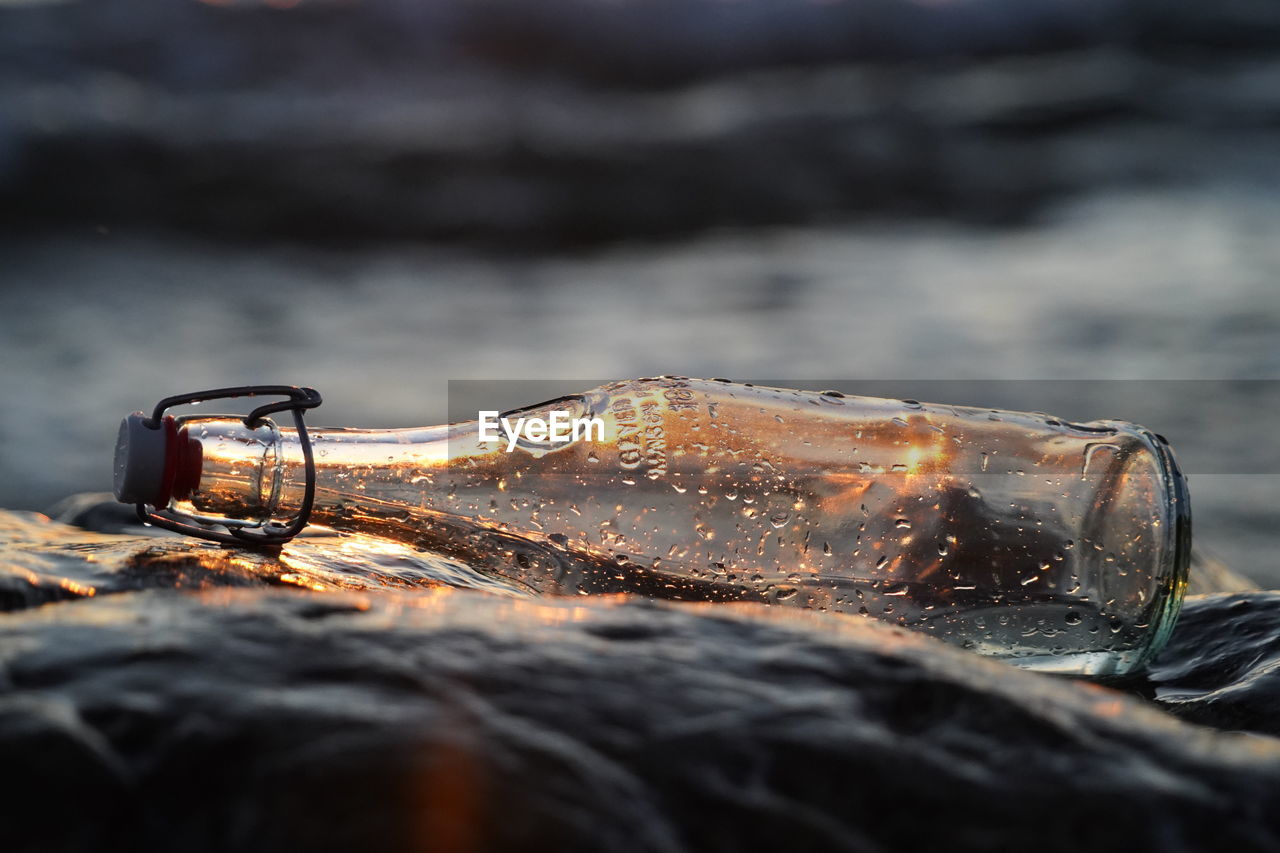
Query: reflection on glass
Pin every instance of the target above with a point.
(1061, 546)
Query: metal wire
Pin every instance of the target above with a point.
(269, 535)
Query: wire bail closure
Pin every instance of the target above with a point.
(269, 534)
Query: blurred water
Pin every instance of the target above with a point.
(1170, 284)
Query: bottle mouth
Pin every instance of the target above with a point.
(1171, 536)
(1172, 580)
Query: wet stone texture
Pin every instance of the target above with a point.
(161, 694)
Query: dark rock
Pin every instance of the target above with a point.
(275, 716)
(101, 513)
(1222, 666)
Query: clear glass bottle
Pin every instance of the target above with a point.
(1062, 547)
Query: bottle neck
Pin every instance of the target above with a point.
(256, 475)
(434, 488)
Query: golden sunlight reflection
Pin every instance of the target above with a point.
(78, 588)
(451, 791)
(358, 544)
(852, 488)
(302, 580)
(930, 457)
(361, 562)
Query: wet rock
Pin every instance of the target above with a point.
(99, 512)
(1222, 666)
(199, 698)
(47, 561)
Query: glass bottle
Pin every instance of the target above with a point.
(1062, 547)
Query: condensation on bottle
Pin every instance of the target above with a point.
(1059, 546)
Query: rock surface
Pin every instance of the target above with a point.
(162, 693)
(1222, 667)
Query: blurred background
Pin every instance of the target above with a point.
(373, 197)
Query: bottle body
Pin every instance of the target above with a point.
(1061, 546)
